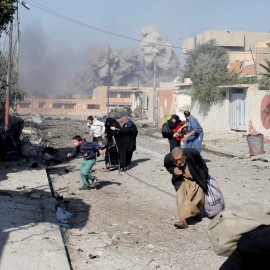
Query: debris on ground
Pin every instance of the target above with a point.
(260, 159)
(38, 118)
(93, 256)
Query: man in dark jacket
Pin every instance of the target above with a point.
(190, 175)
(88, 150)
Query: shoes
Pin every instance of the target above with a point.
(94, 182)
(105, 169)
(84, 187)
(181, 224)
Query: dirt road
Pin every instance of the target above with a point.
(127, 223)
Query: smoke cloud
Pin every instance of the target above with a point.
(45, 66)
(49, 67)
(167, 63)
(128, 67)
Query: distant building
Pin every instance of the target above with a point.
(119, 96)
(246, 50)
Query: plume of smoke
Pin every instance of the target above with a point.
(124, 68)
(167, 63)
(128, 65)
(46, 67)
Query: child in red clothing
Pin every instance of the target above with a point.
(180, 136)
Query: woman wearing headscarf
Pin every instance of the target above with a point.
(115, 150)
(173, 123)
(130, 132)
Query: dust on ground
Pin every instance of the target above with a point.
(128, 220)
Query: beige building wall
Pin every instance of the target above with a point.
(238, 43)
(217, 117)
(223, 38)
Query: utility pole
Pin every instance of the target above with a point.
(17, 59)
(108, 82)
(155, 92)
(8, 75)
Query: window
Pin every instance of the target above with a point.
(24, 105)
(69, 106)
(124, 95)
(113, 95)
(41, 105)
(57, 106)
(93, 106)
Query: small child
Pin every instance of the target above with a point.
(89, 150)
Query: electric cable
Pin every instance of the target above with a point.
(37, 5)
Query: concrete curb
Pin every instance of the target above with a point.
(224, 151)
(31, 237)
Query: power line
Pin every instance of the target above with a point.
(37, 5)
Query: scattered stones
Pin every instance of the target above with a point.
(93, 256)
(260, 159)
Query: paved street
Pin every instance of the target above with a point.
(30, 237)
(129, 218)
(127, 223)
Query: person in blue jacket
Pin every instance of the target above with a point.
(195, 132)
(89, 151)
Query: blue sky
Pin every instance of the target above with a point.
(57, 43)
(174, 19)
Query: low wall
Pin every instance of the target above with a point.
(214, 118)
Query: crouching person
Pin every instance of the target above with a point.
(190, 175)
(88, 150)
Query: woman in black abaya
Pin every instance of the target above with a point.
(130, 133)
(115, 150)
(173, 123)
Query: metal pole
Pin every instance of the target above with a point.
(108, 82)
(17, 59)
(8, 75)
(155, 94)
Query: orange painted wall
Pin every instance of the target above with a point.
(166, 104)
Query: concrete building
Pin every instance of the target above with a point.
(167, 101)
(245, 108)
(97, 105)
(246, 50)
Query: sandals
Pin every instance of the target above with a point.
(181, 224)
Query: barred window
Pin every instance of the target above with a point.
(93, 106)
(112, 95)
(69, 106)
(57, 106)
(124, 95)
(24, 105)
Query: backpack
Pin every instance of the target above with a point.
(226, 229)
(165, 130)
(213, 200)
